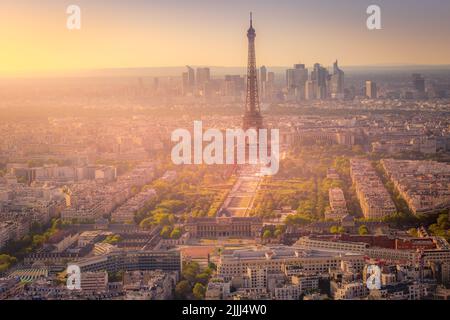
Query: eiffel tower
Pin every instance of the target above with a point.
(252, 116)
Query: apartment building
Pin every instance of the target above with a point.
(235, 263)
(132, 261)
(373, 197)
(125, 213)
(349, 291)
(424, 185)
(6, 232)
(338, 205)
(94, 281)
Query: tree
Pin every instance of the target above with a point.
(146, 223)
(442, 221)
(38, 240)
(176, 233)
(413, 232)
(297, 219)
(182, 289)
(115, 276)
(35, 227)
(162, 217)
(212, 266)
(113, 239)
(190, 271)
(172, 205)
(202, 278)
(199, 291)
(440, 228)
(362, 230)
(267, 234)
(6, 262)
(337, 230)
(165, 232)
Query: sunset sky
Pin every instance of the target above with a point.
(155, 33)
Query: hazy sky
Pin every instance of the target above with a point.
(146, 33)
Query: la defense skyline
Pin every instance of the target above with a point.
(300, 84)
(320, 85)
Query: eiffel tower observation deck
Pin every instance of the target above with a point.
(252, 116)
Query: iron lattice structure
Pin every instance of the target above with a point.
(252, 116)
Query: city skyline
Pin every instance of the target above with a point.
(152, 34)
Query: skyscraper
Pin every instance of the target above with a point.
(252, 117)
(191, 76)
(270, 85)
(263, 76)
(185, 83)
(203, 76)
(263, 81)
(371, 90)
(310, 90)
(234, 85)
(319, 76)
(418, 83)
(202, 80)
(337, 82)
(188, 81)
(296, 79)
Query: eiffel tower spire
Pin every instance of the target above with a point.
(252, 115)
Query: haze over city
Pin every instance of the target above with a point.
(160, 33)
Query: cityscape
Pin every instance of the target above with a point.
(94, 207)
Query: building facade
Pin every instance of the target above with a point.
(224, 227)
